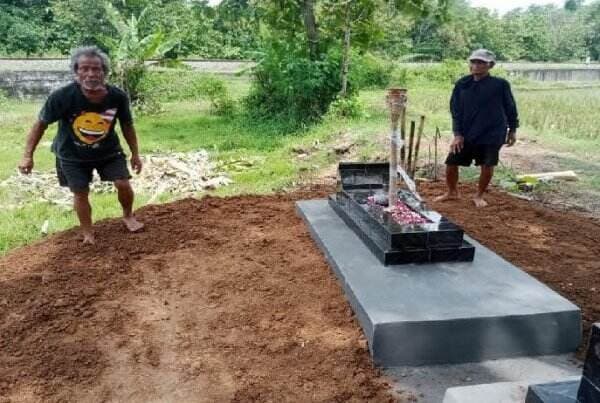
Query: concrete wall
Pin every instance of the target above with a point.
(32, 84)
(37, 77)
(592, 74)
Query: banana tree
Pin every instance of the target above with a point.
(130, 52)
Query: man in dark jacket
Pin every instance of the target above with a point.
(87, 111)
(484, 117)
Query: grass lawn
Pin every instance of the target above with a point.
(562, 119)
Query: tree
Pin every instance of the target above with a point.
(236, 22)
(573, 5)
(302, 39)
(131, 50)
(593, 37)
(24, 26)
(355, 18)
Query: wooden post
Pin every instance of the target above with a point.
(403, 137)
(411, 138)
(396, 100)
(435, 156)
(429, 157)
(417, 146)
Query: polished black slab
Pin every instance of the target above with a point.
(438, 232)
(436, 239)
(379, 246)
(589, 389)
(555, 392)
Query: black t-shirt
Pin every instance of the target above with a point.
(483, 110)
(86, 131)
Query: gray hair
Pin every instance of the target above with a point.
(89, 51)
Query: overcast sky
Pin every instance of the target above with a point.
(501, 5)
(505, 5)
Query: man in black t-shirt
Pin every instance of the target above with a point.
(87, 111)
(484, 117)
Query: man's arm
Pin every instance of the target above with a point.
(512, 116)
(131, 138)
(33, 139)
(456, 111)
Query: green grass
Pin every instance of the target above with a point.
(560, 118)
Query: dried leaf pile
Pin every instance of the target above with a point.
(179, 174)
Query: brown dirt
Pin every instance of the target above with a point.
(217, 300)
(230, 300)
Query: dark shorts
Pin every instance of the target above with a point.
(77, 175)
(483, 154)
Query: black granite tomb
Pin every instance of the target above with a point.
(586, 390)
(358, 201)
(589, 389)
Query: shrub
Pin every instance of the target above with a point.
(289, 86)
(3, 98)
(370, 71)
(350, 107)
(160, 86)
(216, 92)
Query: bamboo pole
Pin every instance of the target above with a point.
(396, 100)
(418, 145)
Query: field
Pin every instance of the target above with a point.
(557, 121)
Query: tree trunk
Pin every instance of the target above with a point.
(310, 24)
(346, 51)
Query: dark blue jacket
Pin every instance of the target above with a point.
(483, 111)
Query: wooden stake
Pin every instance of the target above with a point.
(403, 137)
(429, 156)
(417, 146)
(435, 158)
(411, 138)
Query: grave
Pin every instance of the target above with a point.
(443, 312)
(424, 292)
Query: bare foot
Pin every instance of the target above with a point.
(479, 201)
(88, 238)
(446, 196)
(132, 224)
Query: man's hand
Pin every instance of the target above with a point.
(511, 139)
(26, 165)
(136, 163)
(457, 144)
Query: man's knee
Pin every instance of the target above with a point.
(81, 194)
(123, 185)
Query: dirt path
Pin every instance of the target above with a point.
(529, 156)
(230, 300)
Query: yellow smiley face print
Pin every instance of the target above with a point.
(91, 127)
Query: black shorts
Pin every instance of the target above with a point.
(483, 154)
(77, 175)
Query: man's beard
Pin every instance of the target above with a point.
(92, 85)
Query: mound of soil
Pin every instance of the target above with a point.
(230, 300)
